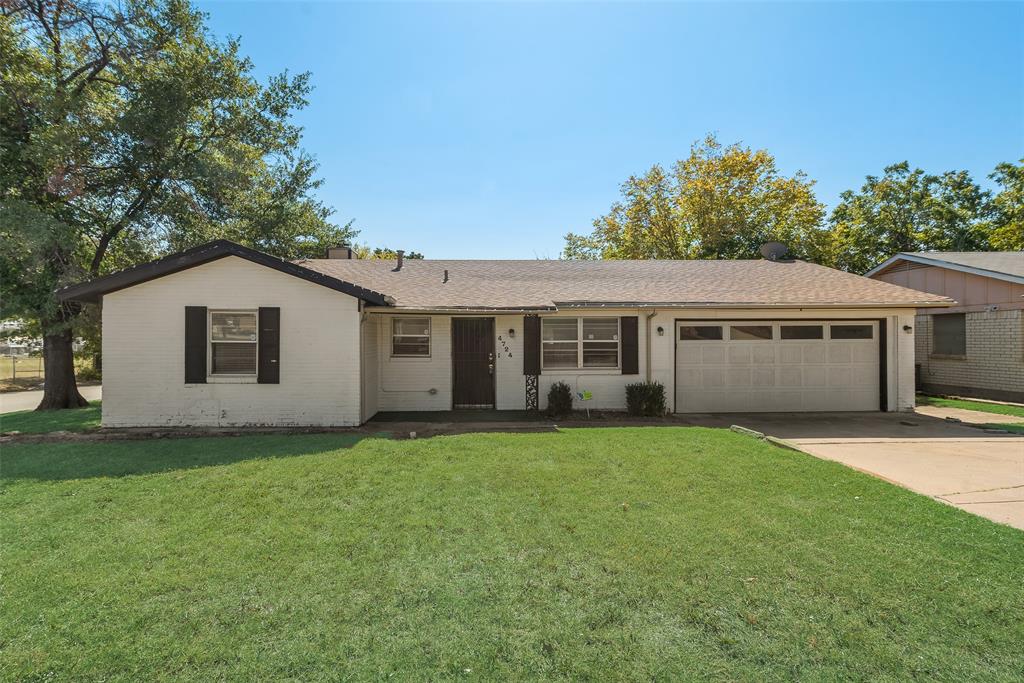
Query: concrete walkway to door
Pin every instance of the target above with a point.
(976, 470)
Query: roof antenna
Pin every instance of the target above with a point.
(774, 251)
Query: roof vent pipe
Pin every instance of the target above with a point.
(445, 275)
(401, 258)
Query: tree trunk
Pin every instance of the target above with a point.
(59, 389)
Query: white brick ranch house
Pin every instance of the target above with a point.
(222, 335)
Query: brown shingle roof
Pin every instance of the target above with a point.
(547, 284)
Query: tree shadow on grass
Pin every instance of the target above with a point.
(86, 460)
(42, 421)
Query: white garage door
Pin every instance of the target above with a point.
(775, 366)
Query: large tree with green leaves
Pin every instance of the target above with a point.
(722, 201)
(907, 209)
(128, 130)
(1006, 210)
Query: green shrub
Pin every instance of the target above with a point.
(88, 373)
(559, 399)
(645, 398)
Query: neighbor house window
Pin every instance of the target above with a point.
(570, 343)
(949, 334)
(233, 342)
(410, 337)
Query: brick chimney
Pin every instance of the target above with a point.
(340, 252)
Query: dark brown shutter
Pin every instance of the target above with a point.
(195, 345)
(531, 345)
(268, 369)
(630, 346)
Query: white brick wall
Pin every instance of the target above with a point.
(144, 352)
(994, 364)
(415, 383)
(405, 383)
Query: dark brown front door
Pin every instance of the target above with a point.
(473, 362)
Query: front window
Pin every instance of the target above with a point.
(410, 337)
(571, 343)
(233, 342)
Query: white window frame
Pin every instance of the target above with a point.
(580, 341)
(210, 342)
(430, 337)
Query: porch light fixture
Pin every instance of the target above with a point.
(511, 333)
(661, 331)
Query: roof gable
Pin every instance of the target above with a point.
(92, 290)
(1001, 265)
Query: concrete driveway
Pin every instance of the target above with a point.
(975, 470)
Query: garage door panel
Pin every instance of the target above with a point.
(788, 400)
(712, 378)
(814, 353)
(771, 375)
(839, 353)
(737, 378)
(814, 376)
(712, 354)
(864, 353)
(688, 377)
(791, 377)
(738, 354)
(792, 353)
(864, 378)
(839, 377)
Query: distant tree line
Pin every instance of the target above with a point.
(724, 201)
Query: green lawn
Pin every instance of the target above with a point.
(1016, 428)
(36, 422)
(622, 553)
(997, 408)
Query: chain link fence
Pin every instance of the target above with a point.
(19, 371)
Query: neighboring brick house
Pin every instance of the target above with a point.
(975, 348)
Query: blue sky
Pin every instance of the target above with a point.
(490, 130)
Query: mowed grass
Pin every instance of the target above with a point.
(1016, 428)
(981, 406)
(664, 553)
(39, 421)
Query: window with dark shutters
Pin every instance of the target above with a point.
(269, 366)
(195, 344)
(630, 345)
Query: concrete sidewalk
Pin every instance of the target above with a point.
(28, 400)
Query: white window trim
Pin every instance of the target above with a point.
(430, 338)
(230, 377)
(579, 345)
